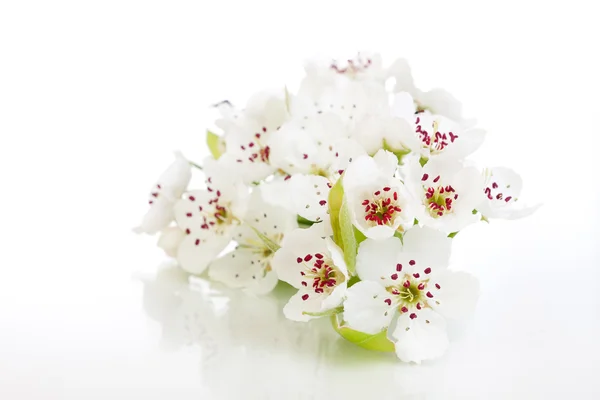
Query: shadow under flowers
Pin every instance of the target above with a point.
(249, 350)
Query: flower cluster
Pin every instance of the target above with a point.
(350, 190)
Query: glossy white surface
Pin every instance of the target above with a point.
(94, 96)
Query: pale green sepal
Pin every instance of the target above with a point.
(377, 342)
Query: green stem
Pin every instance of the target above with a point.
(193, 164)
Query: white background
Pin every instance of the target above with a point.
(94, 96)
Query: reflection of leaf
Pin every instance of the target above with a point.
(336, 197)
(377, 342)
(214, 144)
(271, 245)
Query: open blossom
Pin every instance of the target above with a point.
(249, 265)
(502, 189)
(395, 163)
(407, 289)
(446, 194)
(443, 138)
(209, 217)
(363, 66)
(314, 165)
(436, 101)
(170, 186)
(247, 134)
(316, 145)
(378, 202)
(352, 89)
(315, 266)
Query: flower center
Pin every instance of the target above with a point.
(413, 291)
(320, 273)
(493, 193)
(434, 139)
(351, 67)
(382, 208)
(410, 294)
(255, 149)
(439, 199)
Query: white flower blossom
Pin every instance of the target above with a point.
(209, 217)
(170, 186)
(502, 189)
(436, 101)
(315, 266)
(446, 194)
(247, 134)
(379, 203)
(249, 265)
(407, 289)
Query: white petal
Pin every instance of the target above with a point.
(347, 151)
(175, 179)
(170, 239)
(365, 308)
(442, 102)
(400, 136)
(422, 338)
(269, 220)
(195, 252)
(158, 217)
(361, 171)
(403, 106)
(337, 256)
(311, 194)
(428, 245)
(387, 162)
(376, 260)
(297, 244)
(296, 306)
(457, 295)
(279, 192)
(335, 298)
(468, 182)
(264, 285)
(404, 80)
(238, 269)
(191, 210)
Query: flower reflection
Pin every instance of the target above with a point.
(249, 350)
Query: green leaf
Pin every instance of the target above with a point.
(377, 342)
(360, 237)
(335, 200)
(304, 223)
(400, 236)
(271, 245)
(348, 239)
(451, 235)
(353, 280)
(215, 144)
(416, 222)
(423, 161)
